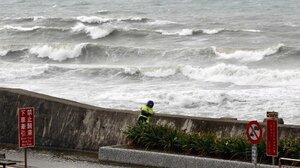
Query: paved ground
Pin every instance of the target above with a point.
(50, 159)
(168, 160)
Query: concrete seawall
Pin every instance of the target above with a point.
(67, 124)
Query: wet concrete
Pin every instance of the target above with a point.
(55, 159)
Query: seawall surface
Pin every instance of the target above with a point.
(61, 123)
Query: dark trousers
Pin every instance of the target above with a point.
(142, 119)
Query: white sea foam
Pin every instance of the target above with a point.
(212, 31)
(97, 19)
(136, 19)
(160, 72)
(3, 52)
(188, 32)
(251, 30)
(291, 24)
(242, 75)
(29, 29)
(20, 28)
(183, 32)
(156, 72)
(9, 71)
(160, 22)
(248, 55)
(93, 31)
(131, 71)
(33, 18)
(102, 11)
(93, 19)
(60, 53)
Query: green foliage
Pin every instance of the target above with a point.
(155, 137)
(199, 144)
(170, 139)
(233, 147)
(290, 148)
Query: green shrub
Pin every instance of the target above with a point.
(170, 139)
(290, 148)
(201, 144)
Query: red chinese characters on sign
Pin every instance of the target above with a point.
(272, 137)
(26, 127)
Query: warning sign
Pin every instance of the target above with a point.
(26, 127)
(272, 137)
(254, 132)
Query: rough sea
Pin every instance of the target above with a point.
(205, 58)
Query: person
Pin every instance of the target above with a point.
(146, 112)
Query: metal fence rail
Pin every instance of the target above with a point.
(288, 159)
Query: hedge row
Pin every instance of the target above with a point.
(169, 139)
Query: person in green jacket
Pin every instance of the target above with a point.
(146, 112)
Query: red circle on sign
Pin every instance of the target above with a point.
(254, 132)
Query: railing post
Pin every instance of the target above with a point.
(279, 164)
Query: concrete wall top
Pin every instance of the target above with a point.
(59, 100)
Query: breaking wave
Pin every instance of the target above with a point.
(247, 55)
(20, 19)
(189, 32)
(116, 71)
(242, 75)
(3, 52)
(88, 53)
(30, 29)
(93, 52)
(83, 19)
(99, 20)
(9, 71)
(93, 31)
(220, 73)
(57, 54)
(183, 32)
(20, 28)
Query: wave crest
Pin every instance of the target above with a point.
(242, 75)
(183, 32)
(100, 20)
(92, 19)
(189, 32)
(20, 28)
(3, 52)
(103, 11)
(93, 31)
(31, 29)
(247, 55)
(21, 19)
(57, 54)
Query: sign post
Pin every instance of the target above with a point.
(26, 129)
(272, 135)
(254, 135)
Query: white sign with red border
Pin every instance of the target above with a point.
(254, 132)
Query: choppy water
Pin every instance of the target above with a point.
(222, 58)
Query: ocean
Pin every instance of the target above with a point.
(202, 58)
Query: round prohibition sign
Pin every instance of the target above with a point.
(254, 132)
